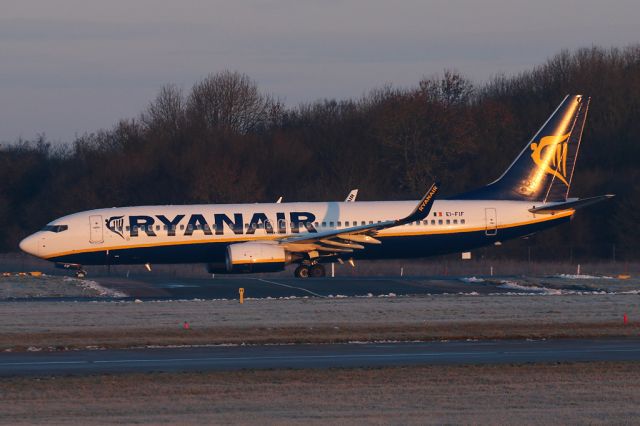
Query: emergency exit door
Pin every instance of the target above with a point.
(95, 229)
(491, 222)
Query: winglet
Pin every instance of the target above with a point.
(424, 206)
(352, 196)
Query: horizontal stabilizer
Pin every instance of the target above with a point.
(569, 205)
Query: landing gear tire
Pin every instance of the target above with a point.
(302, 271)
(317, 271)
(81, 273)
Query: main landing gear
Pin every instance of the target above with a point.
(305, 271)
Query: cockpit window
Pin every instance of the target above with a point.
(55, 228)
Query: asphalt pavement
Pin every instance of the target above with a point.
(226, 287)
(225, 358)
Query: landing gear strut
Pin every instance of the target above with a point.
(305, 271)
(81, 273)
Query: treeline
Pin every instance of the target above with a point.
(226, 141)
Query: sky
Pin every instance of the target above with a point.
(73, 66)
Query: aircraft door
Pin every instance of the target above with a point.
(491, 222)
(95, 229)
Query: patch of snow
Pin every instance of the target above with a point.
(512, 285)
(472, 280)
(94, 286)
(581, 277)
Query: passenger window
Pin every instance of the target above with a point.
(324, 224)
(433, 222)
(346, 223)
(439, 221)
(364, 222)
(448, 222)
(190, 227)
(316, 224)
(127, 228)
(425, 222)
(331, 224)
(370, 222)
(462, 221)
(455, 221)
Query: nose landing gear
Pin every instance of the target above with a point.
(79, 272)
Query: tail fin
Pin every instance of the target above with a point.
(544, 169)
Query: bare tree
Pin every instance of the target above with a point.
(230, 101)
(166, 112)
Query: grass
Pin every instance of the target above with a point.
(79, 339)
(529, 394)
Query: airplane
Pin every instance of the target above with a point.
(530, 196)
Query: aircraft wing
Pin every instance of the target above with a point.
(574, 204)
(346, 240)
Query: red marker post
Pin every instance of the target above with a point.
(625, 320)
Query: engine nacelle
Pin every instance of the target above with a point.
(256, 257)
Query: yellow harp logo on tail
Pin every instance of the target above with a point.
(550, 154)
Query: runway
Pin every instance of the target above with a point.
(225, 358)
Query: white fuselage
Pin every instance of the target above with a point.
(150, 233)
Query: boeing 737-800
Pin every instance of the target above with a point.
(530, 196)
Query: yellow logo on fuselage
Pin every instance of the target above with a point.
(550, 154)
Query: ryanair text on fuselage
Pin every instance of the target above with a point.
(218, 224)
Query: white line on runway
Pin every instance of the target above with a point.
(291, 286)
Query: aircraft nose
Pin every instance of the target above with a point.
(30, 245)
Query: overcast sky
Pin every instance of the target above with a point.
(74, 66)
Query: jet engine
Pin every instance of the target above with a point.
(256, 257)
